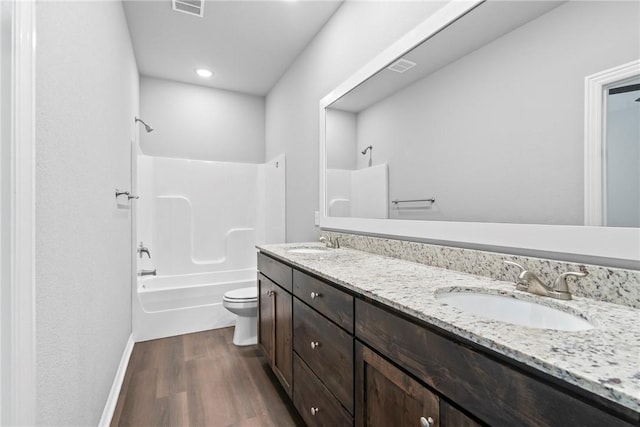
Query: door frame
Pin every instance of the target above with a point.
(595, 109)
(19, 340)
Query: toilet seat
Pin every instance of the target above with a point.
(249, 294)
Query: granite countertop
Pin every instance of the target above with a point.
(604, 360)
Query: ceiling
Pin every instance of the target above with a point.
(485, 23)
(247, 44)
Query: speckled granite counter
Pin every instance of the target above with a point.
(604, 360)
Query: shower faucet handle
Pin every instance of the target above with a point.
(126, 193)
(143, 250)
(147, 272)
(122, 193)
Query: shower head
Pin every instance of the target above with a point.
(146, 126)
(367, 149)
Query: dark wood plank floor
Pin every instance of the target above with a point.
(201, 379)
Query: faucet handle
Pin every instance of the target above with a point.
(560, 284)
(516, 264)
(522, 282)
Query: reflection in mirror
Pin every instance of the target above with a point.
(484, 121)
(360, 192)
(623, 155)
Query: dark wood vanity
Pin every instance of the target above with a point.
(346, 360)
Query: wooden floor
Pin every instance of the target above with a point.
(201, 379)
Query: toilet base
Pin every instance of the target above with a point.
(246, 331)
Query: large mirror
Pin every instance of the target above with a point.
(478, 117)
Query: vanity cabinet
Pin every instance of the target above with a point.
(347, 360)
(275, 319)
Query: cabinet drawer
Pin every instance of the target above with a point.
(314, 402)
(494, 392)
(331, 302)
(276, 271)
(331, 357)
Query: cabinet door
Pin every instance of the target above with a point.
(265, 316)
(386, 396)
(282, 360)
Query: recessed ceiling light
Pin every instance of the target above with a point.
(203, 72)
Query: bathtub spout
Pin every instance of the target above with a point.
(147, 272)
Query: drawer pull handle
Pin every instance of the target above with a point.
(314, 345)
(269, 292)
(314, 410)
(314, 295)
(426, 422)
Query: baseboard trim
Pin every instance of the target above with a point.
(112, 400)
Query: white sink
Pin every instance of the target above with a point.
(518, 312)
(307, 250)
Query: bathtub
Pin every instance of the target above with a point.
(173, 305)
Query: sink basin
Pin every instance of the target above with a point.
(518, 312)
(307, 250)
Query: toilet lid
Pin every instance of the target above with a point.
(242, 294)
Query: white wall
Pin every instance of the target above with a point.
(356, 33)
(201, 123)
(492, 144)
(5, 120)
(87, 96)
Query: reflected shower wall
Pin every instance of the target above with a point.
(362, 193)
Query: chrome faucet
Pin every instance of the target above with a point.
(330, 243)
(147, 272)
(143, 250)
(528, 281)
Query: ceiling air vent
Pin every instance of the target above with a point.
(191, 7)
(401, 65)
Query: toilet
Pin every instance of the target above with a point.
(244, 303)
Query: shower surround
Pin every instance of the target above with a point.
(201, 221)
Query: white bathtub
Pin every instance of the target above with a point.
(173, 305)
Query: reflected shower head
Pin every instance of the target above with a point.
(367, 149)
(146, 126)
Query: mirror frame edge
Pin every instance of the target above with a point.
(618, 243)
